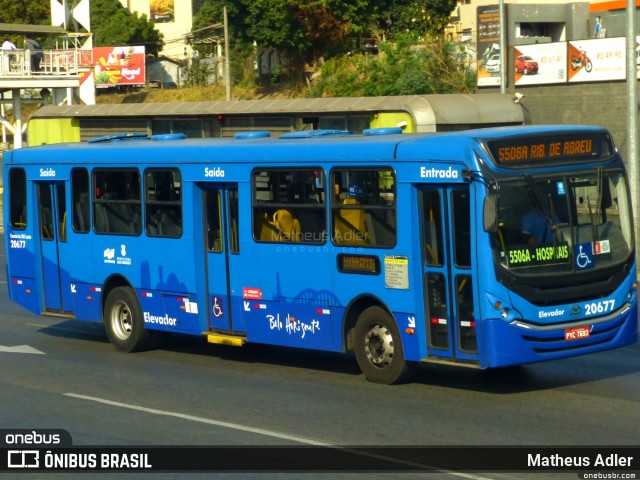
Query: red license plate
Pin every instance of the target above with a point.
(577, 333)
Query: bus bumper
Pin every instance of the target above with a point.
(518, 342)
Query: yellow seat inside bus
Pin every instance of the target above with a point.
(281, 227)
(350, 226)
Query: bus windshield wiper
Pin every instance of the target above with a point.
(538, 199)
(595, 217)
(544, 205)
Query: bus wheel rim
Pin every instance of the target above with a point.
(121, 320)
(378, 346)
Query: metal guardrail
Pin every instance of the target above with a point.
(26, 63)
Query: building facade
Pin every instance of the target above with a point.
(172, 18)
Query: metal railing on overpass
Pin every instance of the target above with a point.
(43, 63)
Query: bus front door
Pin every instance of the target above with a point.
(220, 207)
(446, 245)
(52, 222)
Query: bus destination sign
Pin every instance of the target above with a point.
(540, 255)
(551, 148)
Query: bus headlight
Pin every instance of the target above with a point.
(504, 313)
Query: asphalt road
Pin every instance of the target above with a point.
(63, 374)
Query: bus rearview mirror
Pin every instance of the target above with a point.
(490, 213)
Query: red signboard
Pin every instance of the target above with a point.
(251, 293)
(118, 66)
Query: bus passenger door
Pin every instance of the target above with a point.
(446, 245)
(52, 222)
(222, 250)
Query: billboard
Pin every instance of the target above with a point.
(540, 63)
(119, 66)
(596, 60)
(162, 11)
(488, 45)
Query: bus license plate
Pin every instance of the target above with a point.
(577, 333)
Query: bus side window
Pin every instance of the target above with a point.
(116, 201)
(163, 203)
(363, 207)
(433, 245)
(61, 202)
(213, 219)
(288, 206)
(18, 198)
(46, 211)
(80, 207)
(461, 228)
(234, 219)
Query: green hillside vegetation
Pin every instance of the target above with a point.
(398, 68)
(195, 94)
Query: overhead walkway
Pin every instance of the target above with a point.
(51, 69)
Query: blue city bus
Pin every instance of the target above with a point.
(481, 248)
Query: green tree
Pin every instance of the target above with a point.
(211, 13)
(35, 12)
(197, 73)
(113, 25)
(418, 17)
(32, 12)
(304, 30)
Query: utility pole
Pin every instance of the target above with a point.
(503, 48)
(227, 73)
(632, 116)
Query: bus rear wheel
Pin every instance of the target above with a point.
(123, 321)
(378, 347)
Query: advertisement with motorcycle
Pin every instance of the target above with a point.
(596, 60)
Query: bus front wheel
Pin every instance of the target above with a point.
(378, 347)
(123, 321)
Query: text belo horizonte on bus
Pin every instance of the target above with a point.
(481, 248)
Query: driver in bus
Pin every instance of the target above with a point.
(537, 225)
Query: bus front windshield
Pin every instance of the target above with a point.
(565, 223)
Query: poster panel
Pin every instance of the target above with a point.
(638, 56)
(540, 63)
(119, 66)
(162, 11)
(488, 45)
(596, 60)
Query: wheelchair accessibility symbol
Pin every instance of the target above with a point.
(584, 256)
(217, 307)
